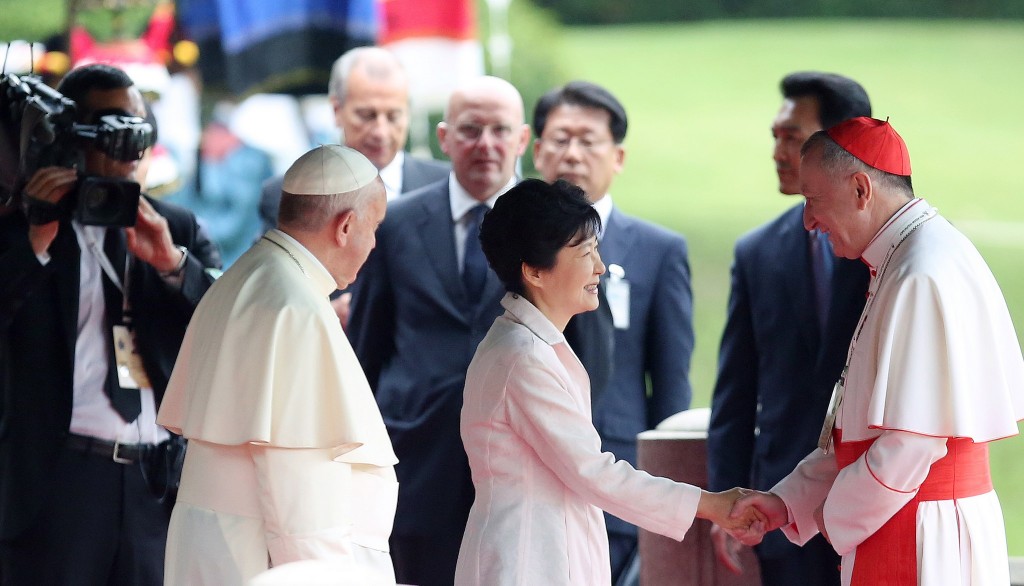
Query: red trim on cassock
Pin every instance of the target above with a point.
(889, 556)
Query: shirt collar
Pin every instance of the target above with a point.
(891, 231)
(461, 202)
(604, 209)
(308, 264)
(391, 175)
(526, 313)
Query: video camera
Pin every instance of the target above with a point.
(38, 129)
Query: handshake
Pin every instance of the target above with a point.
(743, 516)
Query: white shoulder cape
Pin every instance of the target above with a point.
(938, 354)
(265, 361)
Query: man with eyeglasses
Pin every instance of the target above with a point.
(643, 328)
(423, 302)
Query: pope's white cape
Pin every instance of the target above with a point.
(265, 361)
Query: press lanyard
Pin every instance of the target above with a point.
(108, 269)
(825, 439)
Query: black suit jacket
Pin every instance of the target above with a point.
(416, 173)
(38, 329)
(775, 369)
(415, 330)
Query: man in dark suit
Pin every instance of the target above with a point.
(77, 502)
(369, 91)
(643, 328)
(420, 306)
(792, 311)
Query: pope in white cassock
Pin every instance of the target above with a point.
(900, 483)
(288, 458)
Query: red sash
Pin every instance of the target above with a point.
(889, 556)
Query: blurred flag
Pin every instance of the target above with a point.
(275, 46)
(437, 42)
(141, 38)
(137, 38)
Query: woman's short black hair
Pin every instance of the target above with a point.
(531, 223)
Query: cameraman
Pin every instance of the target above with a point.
(81, 500)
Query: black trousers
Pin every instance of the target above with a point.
(621, 549)
(100, 526)
(425, 561)
(814, 564)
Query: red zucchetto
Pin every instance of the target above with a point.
(873, 142)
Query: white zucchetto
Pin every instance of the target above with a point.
(327, 170)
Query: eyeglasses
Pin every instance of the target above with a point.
(560, 144)
(473, 132)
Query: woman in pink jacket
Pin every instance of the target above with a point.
(541, 478)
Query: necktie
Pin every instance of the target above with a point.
(126, 402)
(474, 264)
(821, 267)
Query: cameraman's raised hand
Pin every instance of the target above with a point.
(49, 184)
(150, 239)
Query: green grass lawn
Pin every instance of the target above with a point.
(701, 98)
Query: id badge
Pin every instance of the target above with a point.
(825, 438)
(617, 292)
(131, 374)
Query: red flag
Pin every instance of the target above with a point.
(406, 19)
(437, 42)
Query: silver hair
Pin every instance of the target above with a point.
(343, 65)
(311, 212)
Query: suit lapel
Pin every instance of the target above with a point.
(437, 232)
(494, 290)
(410, 175)
(799, 280)
(617, 242)
(849, 289)
(65, 251)
(616, 246)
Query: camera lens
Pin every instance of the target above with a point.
(96, 198)
(107, 202)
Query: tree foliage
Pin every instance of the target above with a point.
(619, 12)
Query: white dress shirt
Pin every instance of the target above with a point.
(91, 412)
(604, 210)
(391, 175)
